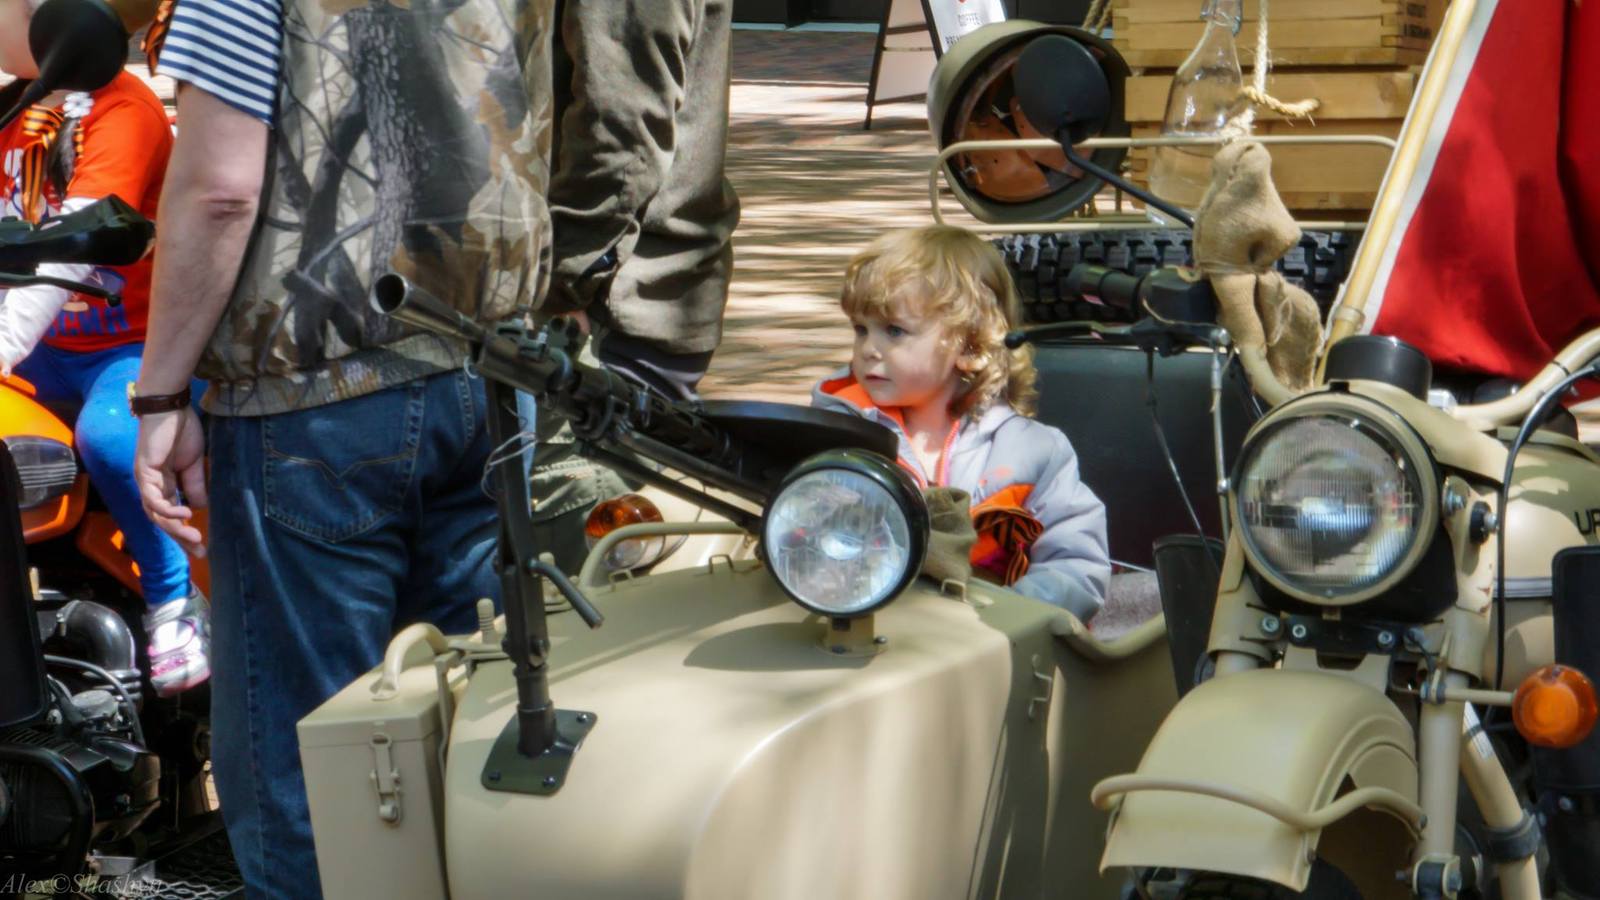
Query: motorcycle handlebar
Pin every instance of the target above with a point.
(1111, 286)
(1172, 300)
(108, 232)
(1513, 409)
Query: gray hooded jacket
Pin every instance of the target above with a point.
(1000, 449)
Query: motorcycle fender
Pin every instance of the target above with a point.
(1295, 737)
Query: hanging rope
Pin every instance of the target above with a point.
(1256, 91)
(1098, 16)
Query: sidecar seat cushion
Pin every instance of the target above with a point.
(1132, 600)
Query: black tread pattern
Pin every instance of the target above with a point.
(1039, 264)
(1327, 882)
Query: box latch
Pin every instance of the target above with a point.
(385, 778)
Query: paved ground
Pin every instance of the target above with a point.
(815, 187)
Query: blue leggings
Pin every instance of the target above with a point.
(93, 389)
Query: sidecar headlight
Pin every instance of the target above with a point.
(1336, 502)
(46, 469)
(845, 532)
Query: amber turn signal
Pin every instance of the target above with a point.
(1555, 707)
(627, 509)
(609, 515)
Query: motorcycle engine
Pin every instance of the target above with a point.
(80, 776)
(67, 791)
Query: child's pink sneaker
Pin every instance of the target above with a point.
(180, 644)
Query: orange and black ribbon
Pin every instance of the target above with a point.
(1006, 532)
(156, 36)
(41, 125)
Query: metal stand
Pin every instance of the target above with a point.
(534, 750)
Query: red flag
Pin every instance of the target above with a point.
(1494, 264)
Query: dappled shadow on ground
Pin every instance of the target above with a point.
(795, 57)
(805, 212)
(814, 187)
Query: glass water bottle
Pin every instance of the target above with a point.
(1206, 92)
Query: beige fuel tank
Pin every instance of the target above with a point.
(734, 755)
(1554, 504)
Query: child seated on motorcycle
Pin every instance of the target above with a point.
(931, 307)
(80, 353)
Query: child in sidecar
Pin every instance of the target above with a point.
(931, 307)
(80, 353)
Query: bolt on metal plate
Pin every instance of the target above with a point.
(509, 771)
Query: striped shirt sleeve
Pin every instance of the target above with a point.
(231, 49)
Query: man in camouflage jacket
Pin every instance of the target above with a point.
(347, 451)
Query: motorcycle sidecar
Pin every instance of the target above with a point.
(740, 747)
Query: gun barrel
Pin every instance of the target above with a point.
(395, 295)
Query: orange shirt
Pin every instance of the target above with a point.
(121, 147)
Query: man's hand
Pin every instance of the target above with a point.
(170, 457)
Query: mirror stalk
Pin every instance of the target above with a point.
(1123, 184)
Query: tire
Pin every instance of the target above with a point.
(1327, 883)
(1039, 265)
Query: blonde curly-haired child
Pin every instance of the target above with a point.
(931, 307)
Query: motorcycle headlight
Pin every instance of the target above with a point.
(46, 469)
(845, 533)
(1335, 500)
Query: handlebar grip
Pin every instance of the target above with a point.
(1109, 286)
(108, 232)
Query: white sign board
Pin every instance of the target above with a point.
(953, 18)
(907, 52)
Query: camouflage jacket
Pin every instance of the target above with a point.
(412, 137)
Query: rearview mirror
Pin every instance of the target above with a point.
(979, 88)
(80, 45)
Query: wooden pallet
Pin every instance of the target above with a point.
(1344, 94)
(1313, 177)
(1333, 42)
(1161, 33)
(1311, 56)
(1142, 12)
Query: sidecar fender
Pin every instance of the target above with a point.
(1249, 768)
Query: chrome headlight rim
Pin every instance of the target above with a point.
(903, 491)
(1384, 427)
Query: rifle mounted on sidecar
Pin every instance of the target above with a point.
(745, 449)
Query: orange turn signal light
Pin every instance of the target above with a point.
(609, 515)
(1555, 707)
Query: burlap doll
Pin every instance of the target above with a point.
(1240, 232)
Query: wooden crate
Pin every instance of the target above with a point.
(1314, 178)
(1147, 11)
(1161, 33)
(1344, 94)
(1359, 58)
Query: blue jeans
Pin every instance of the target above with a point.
(92, 388)
(331, 529)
